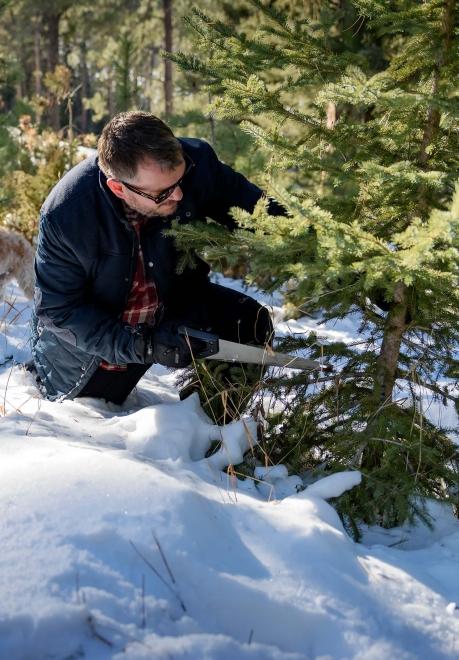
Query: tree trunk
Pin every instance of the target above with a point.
(124, 87)
(111, 95)
(386, 370)
(168, 90)
(52, 24)
(38, 73)
(85, 88)
(433, 115)
(394, 330)
(331, 121)
(331, 115)
(52, 20)
(213, 135)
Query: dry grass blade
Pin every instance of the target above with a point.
(163, 557)
(7, 359)
(158, 575)
(143, 622)
(97, 635)
(6, 388)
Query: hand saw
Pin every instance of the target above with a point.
(215, 348)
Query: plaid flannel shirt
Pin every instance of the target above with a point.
(143, 300)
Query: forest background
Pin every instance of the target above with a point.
(66, 68)
(347, 112)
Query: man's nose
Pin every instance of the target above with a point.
(177, 194)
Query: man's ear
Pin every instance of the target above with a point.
(116, 187)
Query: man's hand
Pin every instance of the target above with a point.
(164, 345)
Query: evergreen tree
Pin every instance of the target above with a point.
(371, 229)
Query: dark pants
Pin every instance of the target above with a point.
(227, 313)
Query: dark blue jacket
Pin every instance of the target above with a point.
(86, 258)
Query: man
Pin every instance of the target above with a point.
(108, 299)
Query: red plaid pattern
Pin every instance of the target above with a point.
(143, 300)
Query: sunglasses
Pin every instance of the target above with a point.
(157, 199)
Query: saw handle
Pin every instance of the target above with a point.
(209, 341)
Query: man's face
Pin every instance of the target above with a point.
(153, 180)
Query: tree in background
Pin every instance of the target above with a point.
(68, 67)
(109, 48)
(371, 229)
(168, 45)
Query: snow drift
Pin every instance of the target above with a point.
(120, 539)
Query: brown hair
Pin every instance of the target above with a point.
(131, 137)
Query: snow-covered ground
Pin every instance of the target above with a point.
(119, 539)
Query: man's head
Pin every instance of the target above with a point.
(139, 154)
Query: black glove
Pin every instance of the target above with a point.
(164, 345)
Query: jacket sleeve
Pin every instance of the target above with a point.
(62, 305)
(228, 188)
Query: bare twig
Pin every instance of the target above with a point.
(430, 386)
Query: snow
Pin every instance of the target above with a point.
(120, 539)
(334, 485)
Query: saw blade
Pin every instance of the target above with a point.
(231, 351)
